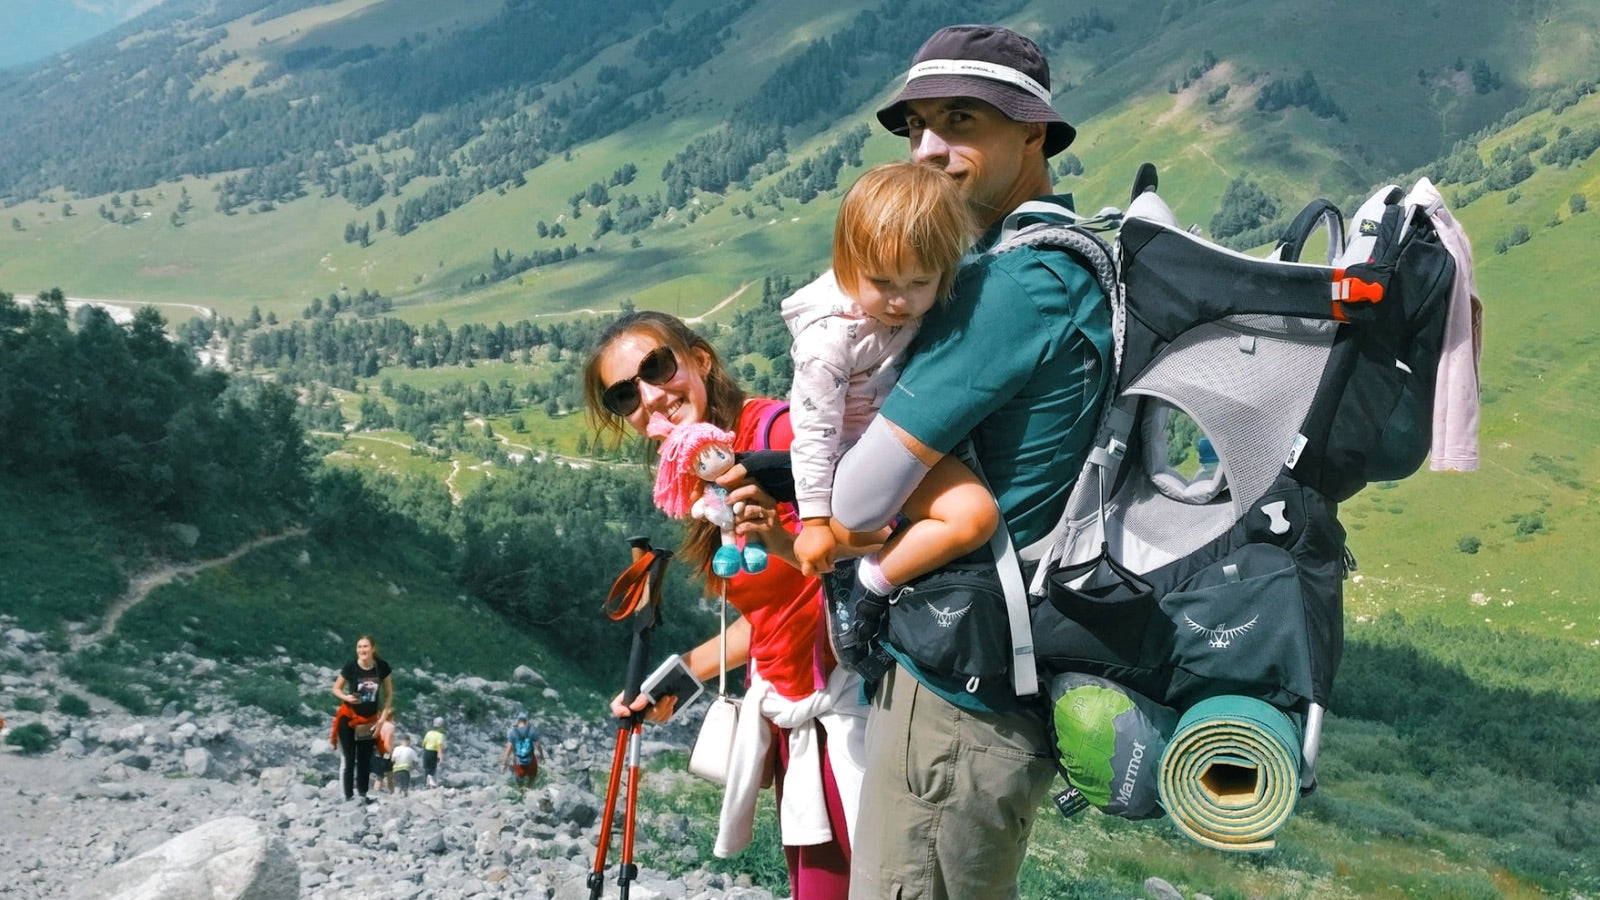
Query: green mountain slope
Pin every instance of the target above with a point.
(1183, 86)
(396, 97)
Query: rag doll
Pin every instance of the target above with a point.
(691, 458)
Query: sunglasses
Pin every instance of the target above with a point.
(658, 367)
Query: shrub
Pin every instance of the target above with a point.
(1518, 235)
(30, 704)
(1244, 206)
(33, 737)
(73, 705)
(274, 695)
(471, 706)
(1469, 544)
(1509, 174)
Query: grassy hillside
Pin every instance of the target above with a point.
(1533, 504)
(1115, 83)
(1527, 513)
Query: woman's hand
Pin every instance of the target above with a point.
(763, 522)
(658, 712)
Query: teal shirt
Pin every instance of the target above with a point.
(1019, 357)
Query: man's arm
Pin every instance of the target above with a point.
(879, 474)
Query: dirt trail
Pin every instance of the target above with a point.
(695, 320)
(140, 586)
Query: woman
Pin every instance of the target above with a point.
(366, 696)
(649, 363)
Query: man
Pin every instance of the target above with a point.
(1017, 359)
(522, 752)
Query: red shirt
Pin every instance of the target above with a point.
(787, 645)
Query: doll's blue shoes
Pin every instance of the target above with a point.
(755, 556)
(725, 562)
(729, 559)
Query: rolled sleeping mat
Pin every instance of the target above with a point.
(1230, 775)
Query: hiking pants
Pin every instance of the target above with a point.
(949, 796)
(816, 871)
(355, 760)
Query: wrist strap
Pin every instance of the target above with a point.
(722, 645)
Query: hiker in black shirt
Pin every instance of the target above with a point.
(366, 693)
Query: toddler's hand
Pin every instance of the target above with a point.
(814, 547)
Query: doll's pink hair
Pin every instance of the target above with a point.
(677, 485)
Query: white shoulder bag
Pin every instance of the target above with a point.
(713, 747)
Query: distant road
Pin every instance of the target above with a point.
(122, 310)
(696, 320)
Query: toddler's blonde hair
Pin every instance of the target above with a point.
(897, 215)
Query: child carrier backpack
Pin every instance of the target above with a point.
(1206, 609)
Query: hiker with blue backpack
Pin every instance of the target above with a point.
(800, 722)
(523, 752)
(1017, 361)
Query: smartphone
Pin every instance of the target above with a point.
(672, 679)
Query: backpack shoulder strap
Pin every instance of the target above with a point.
(765, 424)
(1024, 665)
(1055, 226)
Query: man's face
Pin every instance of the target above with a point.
(991, 157)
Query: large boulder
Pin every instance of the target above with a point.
(233, 858)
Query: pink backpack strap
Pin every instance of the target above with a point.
(764, 424)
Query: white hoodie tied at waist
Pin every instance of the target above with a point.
(803, 812)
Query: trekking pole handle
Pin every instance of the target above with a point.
(639, 650)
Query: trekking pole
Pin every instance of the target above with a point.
(636, 595)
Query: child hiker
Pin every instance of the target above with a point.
(406, 759)
(898, 241)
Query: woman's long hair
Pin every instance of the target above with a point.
(724, 401)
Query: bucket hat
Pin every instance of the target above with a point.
(989, 63)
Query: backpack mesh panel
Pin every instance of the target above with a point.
(1248, 382)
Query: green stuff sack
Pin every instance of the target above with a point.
(1109, 741)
